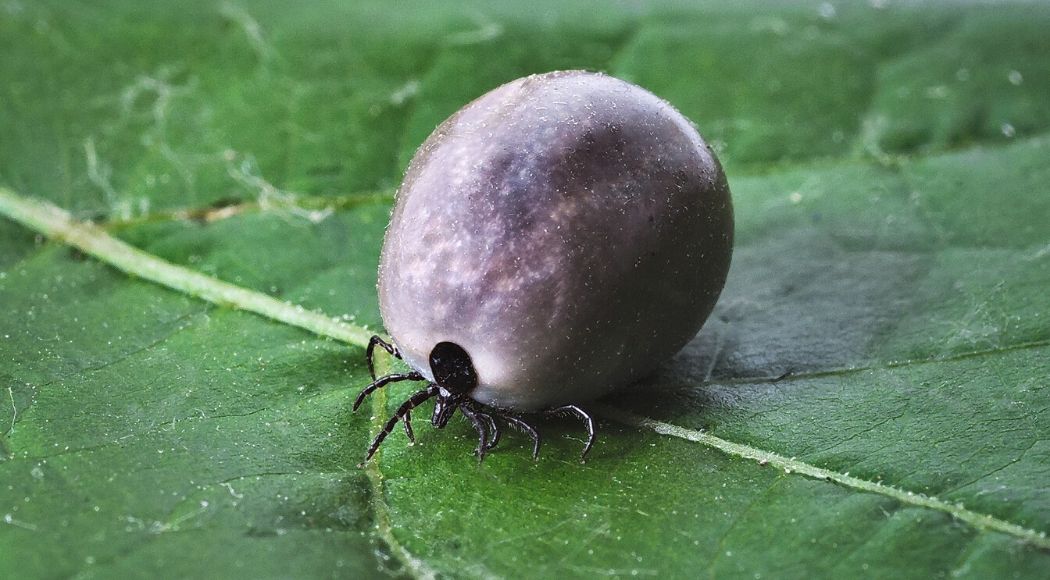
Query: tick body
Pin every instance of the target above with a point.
(552, 241)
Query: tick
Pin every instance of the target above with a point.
(553, 240)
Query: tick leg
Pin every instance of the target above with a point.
(482, 429)
(407, 424)
(405, 408)
(376, 340)
(574, 410)
(490, 422)
(494, 431)
(384, 381)
(528, 430)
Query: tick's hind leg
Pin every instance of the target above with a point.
(567, 410)
(528, 430)
(384, 381)
(405, 408)
(376, 340)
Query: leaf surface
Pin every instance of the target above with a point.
(869, 398)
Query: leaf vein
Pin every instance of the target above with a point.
(380, 509)
(978, 520)
(57, 223)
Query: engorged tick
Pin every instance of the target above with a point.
(553, 240)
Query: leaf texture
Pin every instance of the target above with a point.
(869, 399)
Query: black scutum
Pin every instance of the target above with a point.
(453, 368)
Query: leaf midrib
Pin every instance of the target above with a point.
(56, 223)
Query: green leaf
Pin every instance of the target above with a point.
(869, 398)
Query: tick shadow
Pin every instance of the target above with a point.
(822, 307)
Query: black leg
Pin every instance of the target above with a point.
(528, 430)
(482, 429)
(574, 410)
(376, 340)
(493, 429)
(405, 408)
(407, 424)
(384, 381)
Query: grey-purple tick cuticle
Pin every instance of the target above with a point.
(553, 240)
